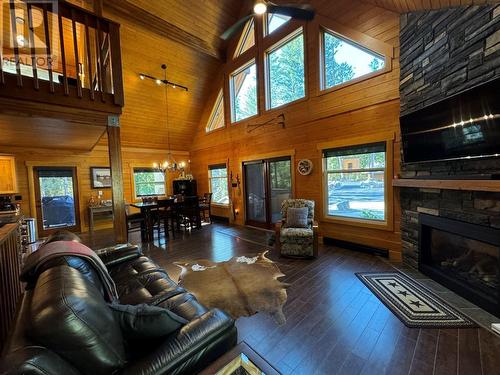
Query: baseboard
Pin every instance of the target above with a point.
(356, 247)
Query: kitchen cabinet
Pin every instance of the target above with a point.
(8, 180)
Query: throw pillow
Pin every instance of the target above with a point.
(296, 217)
(145, 321)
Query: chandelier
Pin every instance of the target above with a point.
(169, 164)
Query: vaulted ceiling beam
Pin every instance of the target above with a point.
(138, 15)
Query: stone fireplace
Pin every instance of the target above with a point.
(443, 231)
(464, 257)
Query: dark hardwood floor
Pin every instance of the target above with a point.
(335, 325)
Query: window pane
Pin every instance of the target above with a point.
(356, 161)
(275, 21)
(247, 39)
(344, 61)
(219, 172)
(356, 195)
(244, 93)
(217, 117)
(149, 183)
(57, 201)
(286, 72)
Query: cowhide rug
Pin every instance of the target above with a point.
(240, 286)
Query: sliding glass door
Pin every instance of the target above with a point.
(267, 183)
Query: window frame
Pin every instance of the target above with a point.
(134, 188)
(388, 223)
(219, 101)
(241, 68)
(212, 167)
(267, 76)
(249, 26)
(370, 49)
(266, 24)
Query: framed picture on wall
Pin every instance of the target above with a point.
(100, 177)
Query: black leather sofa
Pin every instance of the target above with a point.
(71, 285)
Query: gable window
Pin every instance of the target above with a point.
(148, 182)
(355, 182)
(275, 21)
(216, 120)
(217, 176)
(243, 86)
(285, 71)
(343, 60)
(247, 39)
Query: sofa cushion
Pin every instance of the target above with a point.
(149, 287)
(139, 322)
(184, 305)
(297, 217)
(132, 268)
(69, 316)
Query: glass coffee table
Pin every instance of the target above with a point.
(241, 360)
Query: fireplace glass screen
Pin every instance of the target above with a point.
(469, 261)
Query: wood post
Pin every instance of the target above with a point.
(115, 162)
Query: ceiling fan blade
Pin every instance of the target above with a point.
(235, 27)
(298, 11)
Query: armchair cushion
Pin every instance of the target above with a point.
(297, 217)
(289, 233)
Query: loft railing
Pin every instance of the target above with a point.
(55, 52)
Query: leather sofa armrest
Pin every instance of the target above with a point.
(187, 349)
(113, 256)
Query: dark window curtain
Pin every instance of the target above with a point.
(355, 150)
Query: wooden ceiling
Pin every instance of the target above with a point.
(403, 6)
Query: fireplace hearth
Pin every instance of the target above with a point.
(462, 256)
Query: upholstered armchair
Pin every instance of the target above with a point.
(297, 242)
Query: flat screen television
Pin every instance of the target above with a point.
(464, 126)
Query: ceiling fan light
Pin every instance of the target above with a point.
(260, 8)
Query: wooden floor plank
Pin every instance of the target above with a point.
(335, 325)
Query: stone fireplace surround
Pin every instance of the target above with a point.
(442, 53)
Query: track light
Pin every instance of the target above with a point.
(141, 76)
(158, 81)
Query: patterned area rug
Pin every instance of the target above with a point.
(415, 305)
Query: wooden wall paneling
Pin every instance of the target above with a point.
(366, 108)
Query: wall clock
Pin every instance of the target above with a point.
(304, 167)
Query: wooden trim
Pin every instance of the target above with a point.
(388, 223)
(471, 185)
(31, 180)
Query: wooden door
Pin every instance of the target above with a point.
(56, 197)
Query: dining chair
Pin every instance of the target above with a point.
(165, 214)
(135, 222)
(206, 206)
(190, 213)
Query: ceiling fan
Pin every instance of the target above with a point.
(299, 11)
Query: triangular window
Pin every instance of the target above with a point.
(216, 120)
(247, 39)
(275, 21)
(345, 60)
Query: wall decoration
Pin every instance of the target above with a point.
(305, 167)
(100, 177)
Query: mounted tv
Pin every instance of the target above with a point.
(464, 126)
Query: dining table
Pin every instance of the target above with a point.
(147, 208)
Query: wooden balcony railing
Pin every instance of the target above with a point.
(10, 286)
(57, 53)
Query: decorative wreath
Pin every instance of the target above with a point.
(305, 167)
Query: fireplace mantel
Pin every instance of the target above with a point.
(470, 185)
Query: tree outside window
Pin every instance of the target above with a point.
(217, 175)
(148, 182)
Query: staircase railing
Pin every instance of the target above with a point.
(59, 53)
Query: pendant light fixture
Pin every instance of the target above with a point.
(169, 164)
